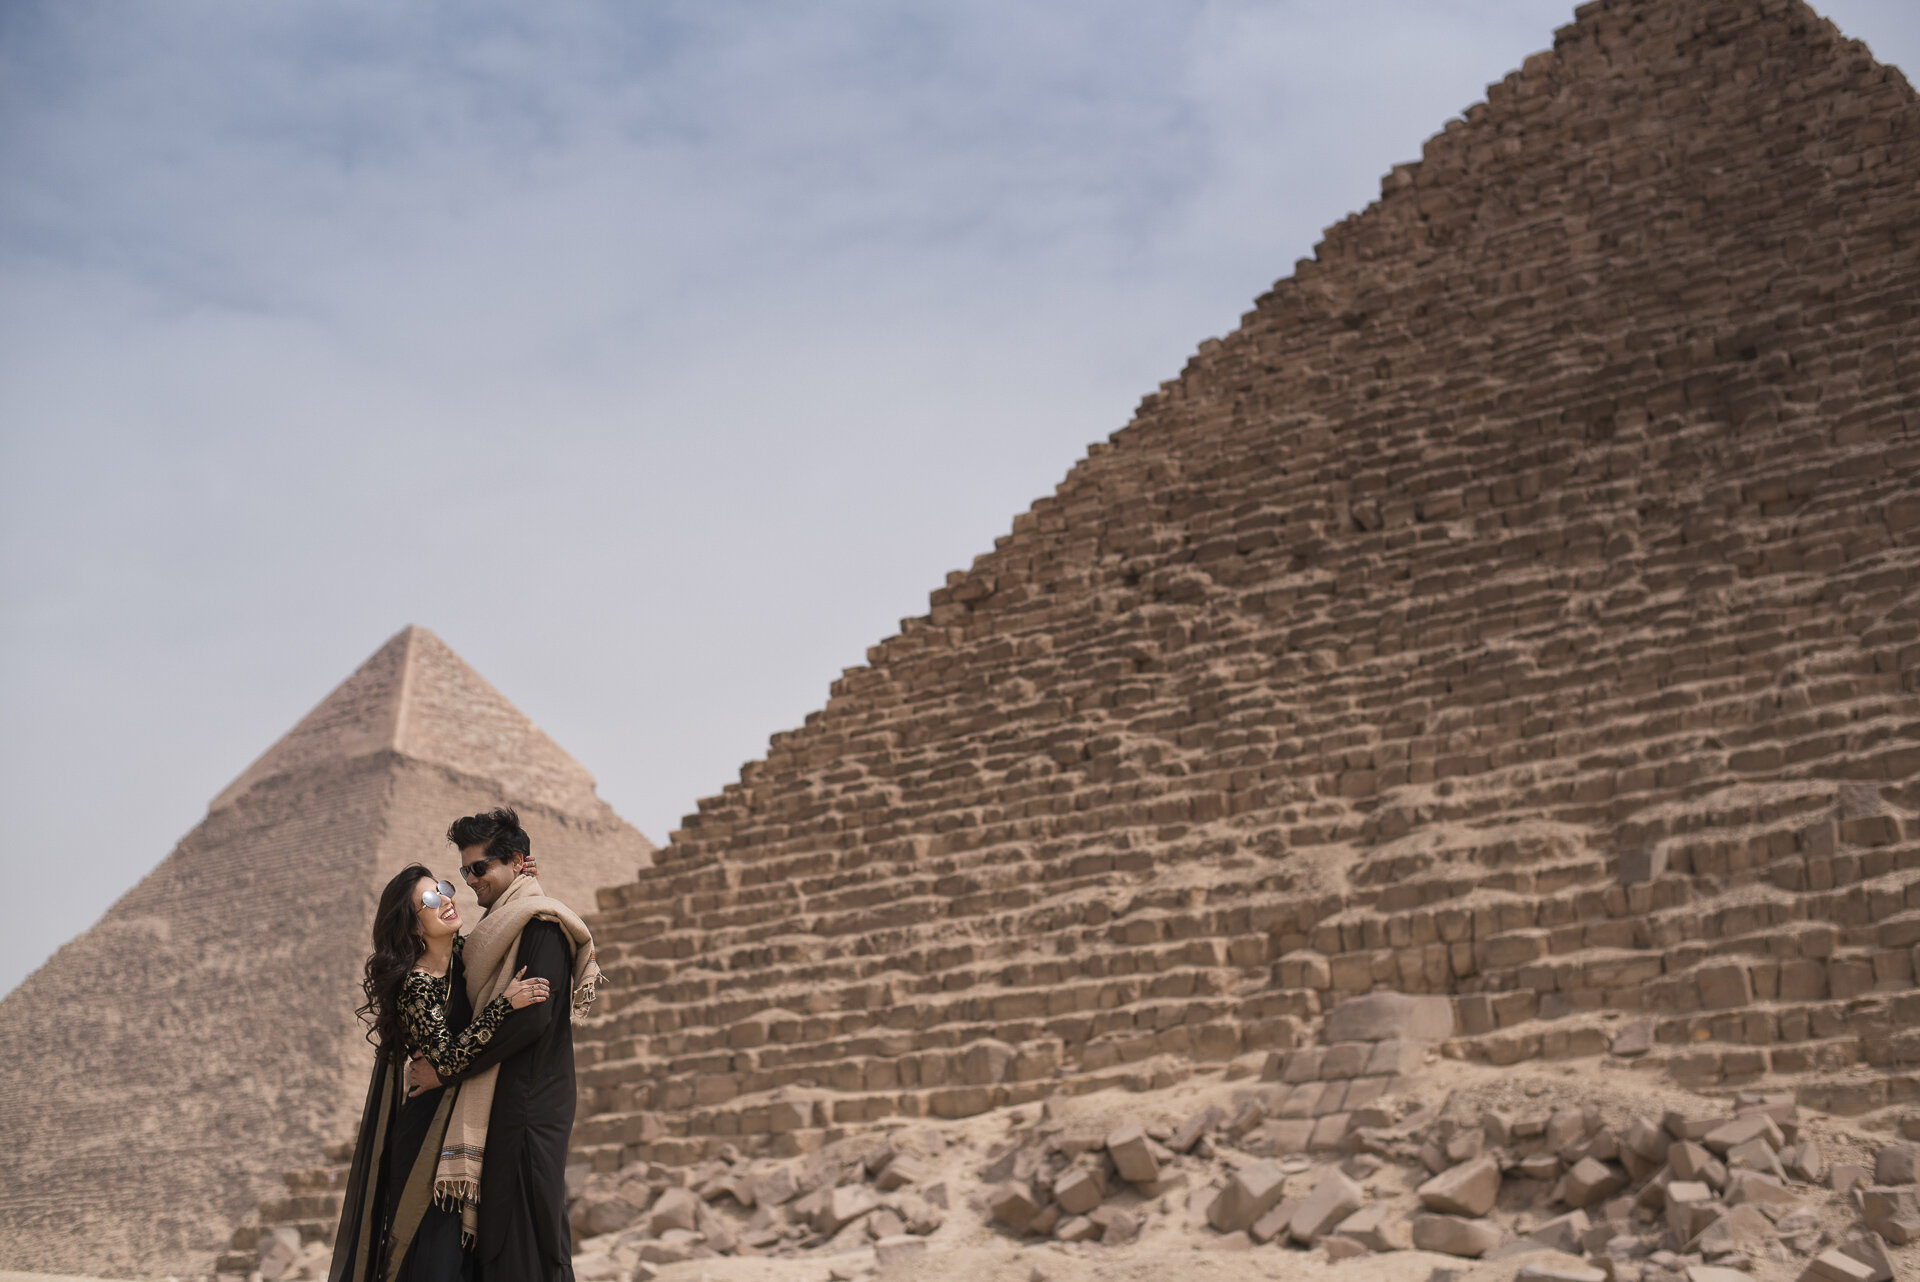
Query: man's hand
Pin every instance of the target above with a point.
(421, 1078)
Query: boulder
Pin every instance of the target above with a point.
(1690, 1208)
(1132, 1154)
(1835, 1265)
(1332, 1200)
(674, 1209)
(1014, 1205)
(1077, 1192)
(1272, 1224)
(1644, 1138)
(1566, 1233)
(1891, 1211)
(1375, 1227)
(1591, 1181)
(1467, 1190)
(1455, 1235)
(1897, 1164)
(843, 1206)
(1247, 1195)
(1076, 1228)
(1728, 1135)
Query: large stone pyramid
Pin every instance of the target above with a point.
(1523, 604)
(162, 1069)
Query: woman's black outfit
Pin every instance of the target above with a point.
(390, 1228)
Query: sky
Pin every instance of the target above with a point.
(659, 357)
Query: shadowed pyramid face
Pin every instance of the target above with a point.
(221, 1041)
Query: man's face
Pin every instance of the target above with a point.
(495, 878)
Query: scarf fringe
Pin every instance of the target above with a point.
(462, 1198)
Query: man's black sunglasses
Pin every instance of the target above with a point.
(473, 870)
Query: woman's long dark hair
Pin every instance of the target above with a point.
(396, 950)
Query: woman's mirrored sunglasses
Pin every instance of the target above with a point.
(442, 893)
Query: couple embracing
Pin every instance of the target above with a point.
(458, 1173)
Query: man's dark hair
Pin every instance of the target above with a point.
(498, 830)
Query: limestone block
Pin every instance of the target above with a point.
(1275, 1221)
(1759, 1188)
(1645, 1139)
(1076, 1228)
(1634, 1038)
(1640, 864)
(1591, 1181)
(1248, 1194)
(1377, 1227)
(901, 1251)
(1742, 1228)
(1564, 1232)
(1567, 1126)
(1333, 1199)
(1117, 1225)
(676, 1209)
(1132, 1154)
(1380, 1017)
(843, 1206)
(1754, 1155)
(1465, 1190)
(1076, 1191)
(1344, 1060)
(1687, 1126)
(1453, 1235)
(1724, 986)
(1690, 1208)
(1690, 1161)
(1014, 1205)
(1329, 1133)
(1303, 1065)
(605, 1215)
(1869, 1250)
(1896, 1164)
(1193, 1128)
(1804, 1161)
(1835, 1265)
(1342, 1248)
(1890, 1205)
(985, 1062)
(1741, 1129)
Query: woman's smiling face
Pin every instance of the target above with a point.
(439, 921)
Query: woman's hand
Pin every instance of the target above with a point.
(530, 869)
(421, 1078)
(522, 993)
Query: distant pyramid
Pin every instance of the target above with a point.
(160, 1069)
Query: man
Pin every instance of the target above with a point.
(505, 1151)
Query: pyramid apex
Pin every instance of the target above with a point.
(418, 699)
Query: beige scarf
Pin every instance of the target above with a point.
(488, 957)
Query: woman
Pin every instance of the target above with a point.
(394, 1226)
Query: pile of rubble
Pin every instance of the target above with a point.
(877, 1190)
(1693, 1197)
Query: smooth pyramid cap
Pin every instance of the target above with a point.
(417, 698)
